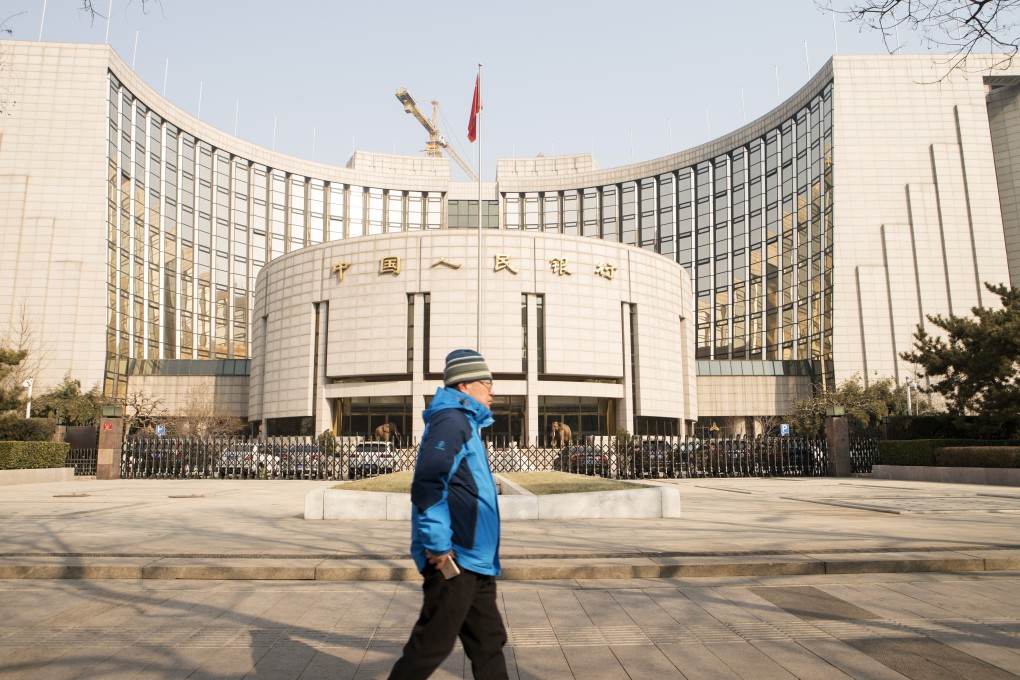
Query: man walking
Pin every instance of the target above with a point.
(455, 520)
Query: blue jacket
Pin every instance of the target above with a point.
(453, 495)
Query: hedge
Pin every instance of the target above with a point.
(979, 456)
(14, 428)
(30, 455)
(927, 452)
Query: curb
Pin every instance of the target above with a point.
(514, 570)
(650, 502)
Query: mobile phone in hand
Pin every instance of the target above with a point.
(450, 568)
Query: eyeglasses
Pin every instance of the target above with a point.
(487, 384)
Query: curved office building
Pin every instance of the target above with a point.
(802, 249)
(574, 330)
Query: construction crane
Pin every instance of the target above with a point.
(437, 142)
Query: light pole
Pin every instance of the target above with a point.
(28, 407)
(909, 383)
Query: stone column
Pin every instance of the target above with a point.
(837, 434)
(532, 434)
(111, 431)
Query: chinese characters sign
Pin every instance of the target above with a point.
(560, 266)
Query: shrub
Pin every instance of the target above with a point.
(927, 451)
(327, 441)
(943, 426)
(31, 455)
(909, 452)
(979, 456)
(17, 429)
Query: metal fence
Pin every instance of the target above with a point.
(863, 454)
(83, 461)
(620, 458)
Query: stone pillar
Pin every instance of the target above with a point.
(111, 431)
(532, 433)
(626, 409)
(419, 388)
(837, 435)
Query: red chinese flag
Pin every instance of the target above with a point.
(476, 106)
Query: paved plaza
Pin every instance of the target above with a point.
(759, 578)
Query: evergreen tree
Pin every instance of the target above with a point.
(70, 403)
(10, 394)
(866, 407)
(975, 363)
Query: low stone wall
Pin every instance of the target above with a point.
(951, 475)
(653, 502)
(36, 476)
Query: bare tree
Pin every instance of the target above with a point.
(957, 27)
(9, 79)
(200, 417)
(22, 335)
(142, 410)
(88, 8)
(766, 424)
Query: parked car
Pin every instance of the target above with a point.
(653, 458)
(371, 458)
(247, 459)
(301, 461)
(585, 460)
(806, 457)
(511, 458)
(152, 458)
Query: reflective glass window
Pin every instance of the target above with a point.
(571, 216)
(414, 211)
(610, 214)
(590, 212)
(336, 212)
(513, 212)
(355, 211)
(298, 208)
(394, 211)
(551, 212)
(531, 211)
(316, 211)
(628, 213)
(375, 211)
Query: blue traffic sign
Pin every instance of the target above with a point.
(784, 429)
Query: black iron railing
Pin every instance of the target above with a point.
(83, 461)
(863, 454)
(623, 458)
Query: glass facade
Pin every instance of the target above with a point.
(190, 226)
(753, 227)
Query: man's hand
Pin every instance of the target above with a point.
(438, 560)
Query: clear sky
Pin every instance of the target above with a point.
(627, 81)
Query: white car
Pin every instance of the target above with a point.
(371, 458)
(247, 459)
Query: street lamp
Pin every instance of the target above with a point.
(909, 383)
(28, 407)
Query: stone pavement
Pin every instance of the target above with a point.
(760, 578)
(866, 626)
(247, 529)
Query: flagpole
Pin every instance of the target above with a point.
(478, 123)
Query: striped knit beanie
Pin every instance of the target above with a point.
(465, 365)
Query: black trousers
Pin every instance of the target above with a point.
(464, 607)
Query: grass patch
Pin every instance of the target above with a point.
(538, 483)
(543, 483)
(395, 482)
